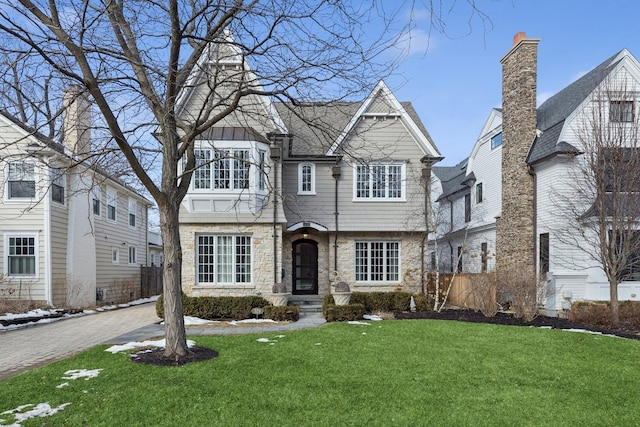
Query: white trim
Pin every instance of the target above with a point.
(312, 191)
(36, 173)
(36, 242)
(307, 224)
(386, 198)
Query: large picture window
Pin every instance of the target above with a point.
(379, 182)
(21, 257)
(223, 259)
(377, 261)
(22, 181)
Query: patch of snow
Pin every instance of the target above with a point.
(63, 385)
(372, 317)
(266, 340)
(239, 322)
(586, 331)
(280, 336)
(357, 322)
(138, 344)
(87, 374)
(40, 410)
(190, 320)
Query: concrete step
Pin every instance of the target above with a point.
(307, 303)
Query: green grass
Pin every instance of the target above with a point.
(400, 373)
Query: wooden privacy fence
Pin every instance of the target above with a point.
(474, 291)
(150, 281)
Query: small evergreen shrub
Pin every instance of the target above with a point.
(382, 301)
(342, 313)
(214, 308)
(289, 313)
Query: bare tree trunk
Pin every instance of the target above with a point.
(175, 334)
(615, 306)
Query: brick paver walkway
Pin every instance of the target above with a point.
(26, 348)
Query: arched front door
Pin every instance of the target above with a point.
(305, 267)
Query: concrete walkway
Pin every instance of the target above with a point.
(26, 348)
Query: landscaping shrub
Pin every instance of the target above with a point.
(382, 301)
(212, 308)
(598, 314)
(341, 313)
(422, 302)
(289, 313)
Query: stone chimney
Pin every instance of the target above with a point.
(515, 241)
(76, 125)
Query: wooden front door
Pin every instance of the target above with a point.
(305, 267)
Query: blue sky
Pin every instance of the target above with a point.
(456, 81)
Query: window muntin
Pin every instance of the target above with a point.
(112, 203)
(57, 185)
(621, 111)
(379, 182)
(133, 208)
(223, 259)
(496, 140)
(231, 173)
(377, 261)
(22, 181)
(21, 257)
(306, 178)
(202, 172)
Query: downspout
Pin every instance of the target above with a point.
(336, 172)
(534, 203)
(48, 292)
(275, 156)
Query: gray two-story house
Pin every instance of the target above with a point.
(306, 194)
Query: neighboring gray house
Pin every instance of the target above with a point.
(307, 195)
(72, 236)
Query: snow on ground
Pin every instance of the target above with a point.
(41, 410)
(357, 322)
(44, 315)
(141, 344)
(372, 317)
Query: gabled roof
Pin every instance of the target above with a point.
(452, 178)
(551, 115)
(419, 132)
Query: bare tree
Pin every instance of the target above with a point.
(603, 205)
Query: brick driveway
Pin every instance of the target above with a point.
(26, 348)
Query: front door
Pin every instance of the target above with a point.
(305, 267)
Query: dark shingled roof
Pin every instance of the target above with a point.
(452, 178)
(316, 126)
(551, 115)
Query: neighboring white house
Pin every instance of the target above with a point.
(155, 256)
(71, 235)
(474, 188)
(306, 195)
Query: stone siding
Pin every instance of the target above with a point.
(262, 258)
(515, 227)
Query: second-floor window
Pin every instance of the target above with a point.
(231, 170)
(479, 195)
(57, 185)
(202, 174)
(133, 208)
(306, 178)
(467, 207)
(496, 140)
(97, 200)
(22, 180)
(379, 182)
(112, 203)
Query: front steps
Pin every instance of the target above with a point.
(307, 303)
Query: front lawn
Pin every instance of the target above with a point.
(421, 372)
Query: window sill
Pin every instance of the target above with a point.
(224, 286)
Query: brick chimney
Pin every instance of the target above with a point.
(515, 241)
(76, 125)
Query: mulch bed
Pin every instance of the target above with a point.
(508, 319)
(156, 356)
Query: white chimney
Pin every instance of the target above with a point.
(76, 125)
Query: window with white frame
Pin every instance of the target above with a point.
(202, 173)
(57, 185)
(112, 204)
(132, 254)
(97, 200)
(377, 261)
(479, 195)
(230, 170)
(306, 178)
(621, 111)
(22, 180)
(241, 169)
(21, 255)
(133, 209)
(262, 174)
(115, 255)
(379, 181)
(223, 259)
(496, 141)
